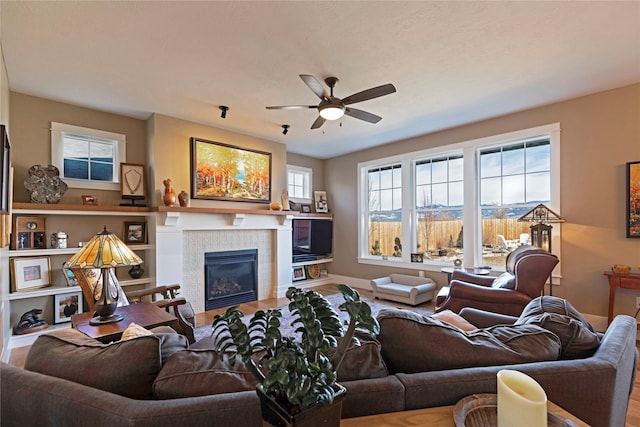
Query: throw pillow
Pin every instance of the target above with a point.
(454, 319)
(133, 331)
(127, 368)
(192, 373)
(170, 341)
(363, 361)
(551, 304)
(576, 339)
(415, 343)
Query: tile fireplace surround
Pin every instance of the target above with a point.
(183, 235)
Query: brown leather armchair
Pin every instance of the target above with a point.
(527, 270)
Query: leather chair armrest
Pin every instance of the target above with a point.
(476, 279)
(478, 293)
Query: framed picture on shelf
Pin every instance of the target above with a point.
(135, 232)
(66, 305)
(633, 199)
(89, 200)
(298, 274)
(304, 208)
(71, 278)
(224, 172)
(321, 201)
(30, 273)
(133, 183)
(417, 257)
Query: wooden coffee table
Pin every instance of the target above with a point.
(433, 417)
(145, 314)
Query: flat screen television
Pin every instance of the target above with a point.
(312, 239)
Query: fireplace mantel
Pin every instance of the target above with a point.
(174, 223)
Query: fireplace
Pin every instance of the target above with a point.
(231, 278)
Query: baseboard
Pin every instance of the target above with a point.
(351, 281)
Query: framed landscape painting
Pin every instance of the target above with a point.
(633, 199)
(224, 172)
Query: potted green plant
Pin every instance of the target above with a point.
(297, 374)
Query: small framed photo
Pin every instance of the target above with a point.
(66, 305)
(321, 201)
(135, 233)
(304, 208)
(71, 278)
(30, 273)
(299, 274)
(89, 200)
(417, 257)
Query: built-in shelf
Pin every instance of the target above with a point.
(66, 209)
(68, 251)
(315, 261)
(28, 339)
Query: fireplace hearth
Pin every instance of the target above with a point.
(231, 278)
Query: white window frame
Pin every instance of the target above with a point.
(307, 185)
(471, 216)
(59, 130)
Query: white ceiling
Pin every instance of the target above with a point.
(451, 62)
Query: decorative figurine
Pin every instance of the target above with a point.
(285, 200)
(169, 196)
(183, 199)
(29, 322)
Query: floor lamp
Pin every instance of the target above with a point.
(542, 217)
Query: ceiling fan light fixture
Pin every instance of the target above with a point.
(331, 111)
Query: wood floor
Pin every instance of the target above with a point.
(633, 414)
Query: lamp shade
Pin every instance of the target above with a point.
(541, 214)
(104, 250)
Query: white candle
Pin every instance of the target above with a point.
(521, 401)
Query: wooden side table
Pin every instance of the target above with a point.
(624, 281)
(145, 314)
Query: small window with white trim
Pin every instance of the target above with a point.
(299, 183)
(87, 158)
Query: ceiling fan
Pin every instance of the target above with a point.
(331, 107)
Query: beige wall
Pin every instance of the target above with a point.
(600, 133)
(170, 157)
(5, 326)
(31, 138)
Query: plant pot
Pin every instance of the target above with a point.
(274, 414)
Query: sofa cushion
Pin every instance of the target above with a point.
(134, 331)
(127, 368)
(415, 343)
(454, 319)
(191, 373)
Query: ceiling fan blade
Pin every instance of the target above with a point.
(365, 95)
(362, 115)
(315, 86)
(319, 122)
(290, 107)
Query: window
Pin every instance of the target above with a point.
(299, 182)
(439, 184)
(87, 158)
(514, 178)
(481, 186)
(385, 211)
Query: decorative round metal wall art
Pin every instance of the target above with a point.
(44, 184)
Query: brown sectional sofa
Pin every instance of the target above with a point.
(595, 388)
